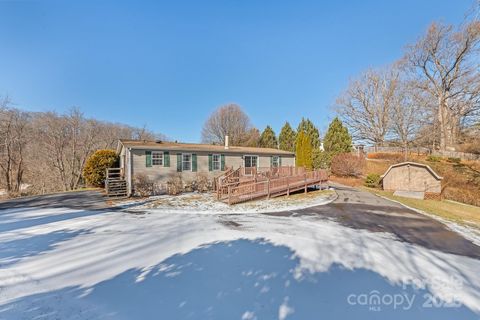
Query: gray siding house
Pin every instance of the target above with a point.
(159, 160)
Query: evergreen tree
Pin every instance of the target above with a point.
(268, 138)
(287, 138)
(97, 164)
(303, 150)
(311, 131)
(337, 139)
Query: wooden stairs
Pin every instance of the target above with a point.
(115, 184)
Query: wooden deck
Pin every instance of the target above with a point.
(241, 185)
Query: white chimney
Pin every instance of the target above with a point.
(226, 142)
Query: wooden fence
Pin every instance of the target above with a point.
(426, 151)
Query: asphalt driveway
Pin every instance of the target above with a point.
(363, 210)
(81, 200)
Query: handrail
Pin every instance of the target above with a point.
(282, 184)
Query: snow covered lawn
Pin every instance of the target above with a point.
(207, 203)
(74, 264)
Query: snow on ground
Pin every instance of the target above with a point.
(71, 264)
(207, 203)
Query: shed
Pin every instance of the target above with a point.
(412, 179)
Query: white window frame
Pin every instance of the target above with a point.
(157, 155)
(218, 162)
(245, 161)
(275, 160)
(250, 155)
(189, 162)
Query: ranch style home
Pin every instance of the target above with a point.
(159, 160)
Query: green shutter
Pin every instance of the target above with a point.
(271, 161)
(194, 162)
(166, 159)
(210, 162)
(222, 162)
(279, 161)
(179, 162)
(148, 158)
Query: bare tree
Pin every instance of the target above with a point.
(406, 117)
(446, 65)
(67, 141)
(13, 139)
(366, 105)
(228, 120)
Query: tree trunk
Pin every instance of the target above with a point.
(448, 126)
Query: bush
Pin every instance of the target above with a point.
(395, 157)
(347, 165)
(434, 158)
(454, 160)
(202, 183)
(372, 180)
(143, 186)
(322, 159)
(175, 184)
(97, 164)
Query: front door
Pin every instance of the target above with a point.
(251, 163)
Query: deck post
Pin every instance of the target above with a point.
(268, 188)
(229, 193)
(288, 188)
(305, 180)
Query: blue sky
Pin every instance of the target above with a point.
(168, 65)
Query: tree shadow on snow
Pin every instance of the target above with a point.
(241, 279)
(14, 250)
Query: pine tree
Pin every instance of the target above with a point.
(311, 131)
(268, 138)
(337, 139)
(303, 150)
(287, 138)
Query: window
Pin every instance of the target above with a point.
(251, 161)
(275, 161)
(186, 162)
(157, 158)
(216, 162)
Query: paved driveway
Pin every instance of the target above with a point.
(82, 200)
(363, 210)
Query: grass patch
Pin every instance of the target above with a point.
(456, 212)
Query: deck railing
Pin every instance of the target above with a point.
(275, 186)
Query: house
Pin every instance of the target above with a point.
(159, 160)
(412, 179)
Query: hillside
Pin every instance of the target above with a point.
(461, 178)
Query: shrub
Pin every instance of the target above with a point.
(372, 180)
(347, 164)
(202, 183)
(454, 160)
(96, 165)
(395, 157)
(434, 158)
(322, 159)
(143, 186)
(175, 184)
